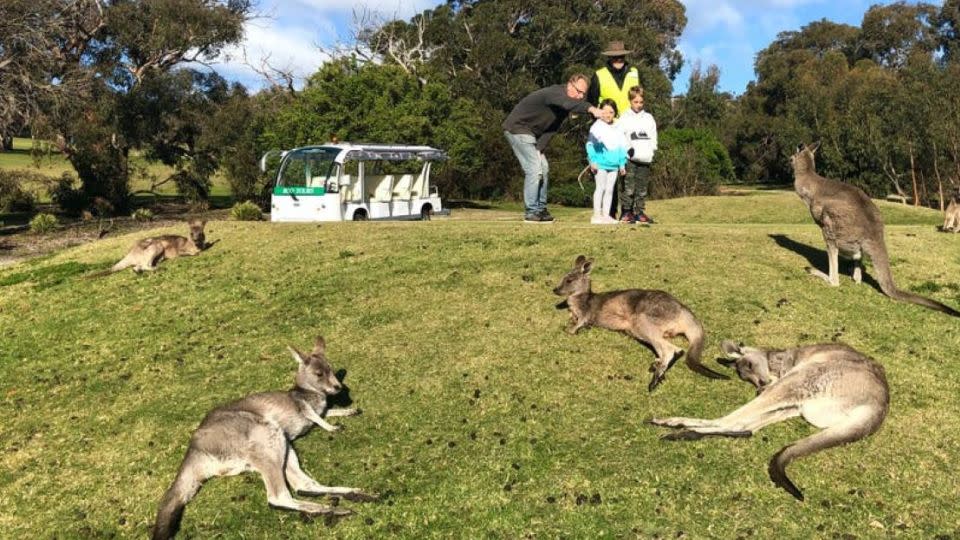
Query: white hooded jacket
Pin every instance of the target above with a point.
(641, 131)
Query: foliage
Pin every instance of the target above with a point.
(86, 77)
(44, 223)
(67, 196)
(13, 196)
(246, 211)
(882, 98)
(142, 215)
(689, 162)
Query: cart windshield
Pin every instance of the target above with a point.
(309, 168)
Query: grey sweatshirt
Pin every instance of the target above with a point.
(541, 113)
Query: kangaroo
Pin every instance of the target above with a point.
(649, 316)
(832, 386)
(255, 434)
(851, 224)
(147, 253)
(951, 220)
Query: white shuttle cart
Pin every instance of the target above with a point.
(344, 181)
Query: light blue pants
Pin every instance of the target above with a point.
(535, 171)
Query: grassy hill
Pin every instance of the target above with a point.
(482, 418)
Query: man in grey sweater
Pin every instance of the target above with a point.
(530, 126)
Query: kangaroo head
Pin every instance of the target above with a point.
(577, 280)
(803, 160)
(752, 364)
(196, 232)
(314, 371)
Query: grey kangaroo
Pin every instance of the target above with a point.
(851, 224)
(255, 434)
(148, 252)
(832, 386)
(951, 220)
(650, 316)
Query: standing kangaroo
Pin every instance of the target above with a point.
(148, 252)
(255, 434)
(833, 386)
(646, 315)
(851, 224)
(951, 220)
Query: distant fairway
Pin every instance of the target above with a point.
(482, 418)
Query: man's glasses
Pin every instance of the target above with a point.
(579, 91)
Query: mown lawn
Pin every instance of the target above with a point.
(52, 164)
(481, 417)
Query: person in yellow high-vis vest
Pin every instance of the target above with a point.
(613, 81)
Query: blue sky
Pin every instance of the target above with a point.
(728, 33)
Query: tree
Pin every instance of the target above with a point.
(72, 68)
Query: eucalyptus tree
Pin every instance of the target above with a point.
(76, 66)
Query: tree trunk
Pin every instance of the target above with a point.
(936, 171)
(913, 175)
(6, 143)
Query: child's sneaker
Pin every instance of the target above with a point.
(602, 220)
(643, 219)
(627, 217)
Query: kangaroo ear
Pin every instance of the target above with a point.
(297, 355)
(319, 346)
(587, 266)
(726, 361)
(580, 260)
(814, 147)
(731, 349)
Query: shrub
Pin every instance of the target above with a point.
(689, 162)
(142, 215)
(13, 198)
(70, 199)
(43, 223)
(570, 194)
(246, 211)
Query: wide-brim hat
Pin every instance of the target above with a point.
(615, 48)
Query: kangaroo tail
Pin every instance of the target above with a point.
(184, 487)
(697, 338)
(858, 427)
(115, 268)
(881, 262)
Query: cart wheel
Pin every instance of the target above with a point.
(360, 215)
(426, 212)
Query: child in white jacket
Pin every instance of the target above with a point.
(607, 153)
(640, 129)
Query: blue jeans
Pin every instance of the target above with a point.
(535, 171)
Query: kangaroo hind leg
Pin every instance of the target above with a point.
(301, 482)
(667, 353)
(268, 458)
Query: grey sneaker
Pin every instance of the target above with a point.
(545, 216)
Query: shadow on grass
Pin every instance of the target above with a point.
(456, 203)
(49, 276)
(817, 258)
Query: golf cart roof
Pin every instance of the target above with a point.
(385, 152)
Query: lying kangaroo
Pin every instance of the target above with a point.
(951, 221)
(255, 434)
(649, 316)
(833, 386)
(148, 252)
(851, 224)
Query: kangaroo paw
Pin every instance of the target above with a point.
(778, 475)
(683, 435)
(655, 381)
(360, 496)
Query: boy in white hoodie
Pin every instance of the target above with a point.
(640, 129)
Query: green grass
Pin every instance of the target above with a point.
(53, 165)
(482, 418)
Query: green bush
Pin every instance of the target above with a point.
(70, 199)
(142, 215)
(246, 211)
(689, 162)
(13, 198)
(43, 223)
(570, 193)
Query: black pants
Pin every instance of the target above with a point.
(633, 188)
